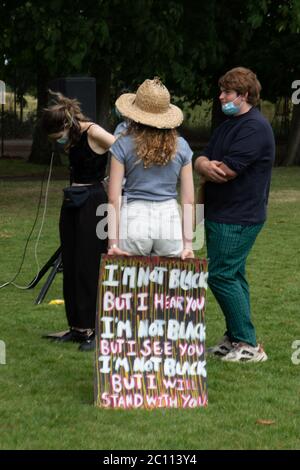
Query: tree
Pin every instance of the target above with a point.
(118, 42)
(275, 56)
(189, 44)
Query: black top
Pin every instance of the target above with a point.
(86, 166)
(245, 144)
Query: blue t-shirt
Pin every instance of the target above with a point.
(157, 183)
(245, 144)
(121, 127)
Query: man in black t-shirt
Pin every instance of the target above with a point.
(236, 166)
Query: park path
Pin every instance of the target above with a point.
(17, 147)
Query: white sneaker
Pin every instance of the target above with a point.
(222, 348)
(243, 352)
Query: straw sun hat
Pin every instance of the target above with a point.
(151, 106)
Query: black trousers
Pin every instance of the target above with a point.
(81, 252)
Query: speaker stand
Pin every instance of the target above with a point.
(56, 262)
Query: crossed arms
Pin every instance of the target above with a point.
(213, 170)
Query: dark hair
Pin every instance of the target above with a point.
(64, 113)
(242, 81)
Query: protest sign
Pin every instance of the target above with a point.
(150, 333)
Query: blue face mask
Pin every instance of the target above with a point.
(230, 109)
(63, 140)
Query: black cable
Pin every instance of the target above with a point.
(31, 231)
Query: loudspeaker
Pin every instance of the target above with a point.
(81, 88)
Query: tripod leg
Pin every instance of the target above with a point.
(45, 268)
(49, 281)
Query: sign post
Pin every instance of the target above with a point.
(150, 333)
(2, 102)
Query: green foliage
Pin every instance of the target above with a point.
(14, 128)
(188, 44)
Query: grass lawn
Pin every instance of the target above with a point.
(46, 390)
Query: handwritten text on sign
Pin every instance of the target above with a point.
(151, 333)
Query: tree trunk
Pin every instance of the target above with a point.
(15, 105)
(41, 148)
(42, 87)
(21, 108)
(217, 116)
(102, 74)
(293, 153)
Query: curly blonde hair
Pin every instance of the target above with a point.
(153, 146)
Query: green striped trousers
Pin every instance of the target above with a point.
(228, 246)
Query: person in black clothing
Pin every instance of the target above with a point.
(87, 145)
(236, 166)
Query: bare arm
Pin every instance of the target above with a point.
(213, 170)
(187, 206)
(99, 139)
(114, 205)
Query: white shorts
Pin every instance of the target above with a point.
(148, 227)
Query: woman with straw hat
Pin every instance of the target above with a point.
(153, 158)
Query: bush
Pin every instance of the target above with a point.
(13, 128)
